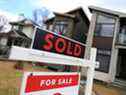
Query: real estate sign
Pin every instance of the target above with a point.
(51, 42)
(48, 83)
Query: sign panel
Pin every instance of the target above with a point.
(46, 83)
(52, 42)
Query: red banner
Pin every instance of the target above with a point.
(46, 82)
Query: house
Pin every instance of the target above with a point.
(73, 24)
(26, 26)
(107, 32)
(21, 34)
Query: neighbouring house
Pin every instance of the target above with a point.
(21, 34)
(73, 24)
(107, 33)
(26, 26)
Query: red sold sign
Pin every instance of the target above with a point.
(54, 83)
(48, 41)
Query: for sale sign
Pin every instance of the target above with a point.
(47, 83)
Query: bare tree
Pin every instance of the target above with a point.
(4, 24)
(40, 15)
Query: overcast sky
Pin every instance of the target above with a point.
(27, 6)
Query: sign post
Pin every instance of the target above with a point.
(53, 49)
(50, 58)
(90, 73)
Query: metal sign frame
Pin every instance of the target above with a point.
(24, 54)
(34, 55)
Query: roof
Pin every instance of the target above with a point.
(108, 11)
(65, 15)
(49, 20)
(71, 14)
(21, 34)
(16, 32)
(60, 14)
(25, 22)
(82, 12)
(74, 10)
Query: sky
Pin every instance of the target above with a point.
(26, 7)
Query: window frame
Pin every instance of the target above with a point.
(107, 16)
(65, 26)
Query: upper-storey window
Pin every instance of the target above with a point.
(122, 35)
(60, 27)
(104, 26)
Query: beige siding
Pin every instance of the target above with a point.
(28, 31)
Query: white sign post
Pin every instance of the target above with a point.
(48, 83)
(90, 73)
(18, 53)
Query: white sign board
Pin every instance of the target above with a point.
(48, 83)
(24, 54)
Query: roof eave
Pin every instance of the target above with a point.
(107, 11)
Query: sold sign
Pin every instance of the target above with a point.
(50, 83)
(51, 42)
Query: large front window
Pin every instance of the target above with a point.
(60, 27)
(104, 26)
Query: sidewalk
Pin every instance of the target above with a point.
(101, 88)
(106, 89)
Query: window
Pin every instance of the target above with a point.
(3, 41)
(51, 27)
(60, 27)
(15, 27)
(18, 42)
(122, 35)
(104, 26)
(20, 28)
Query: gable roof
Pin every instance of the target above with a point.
(108, 11)
(82, 13)
(24, 22)
(65, 15)
(60, 14)
(72, 15)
